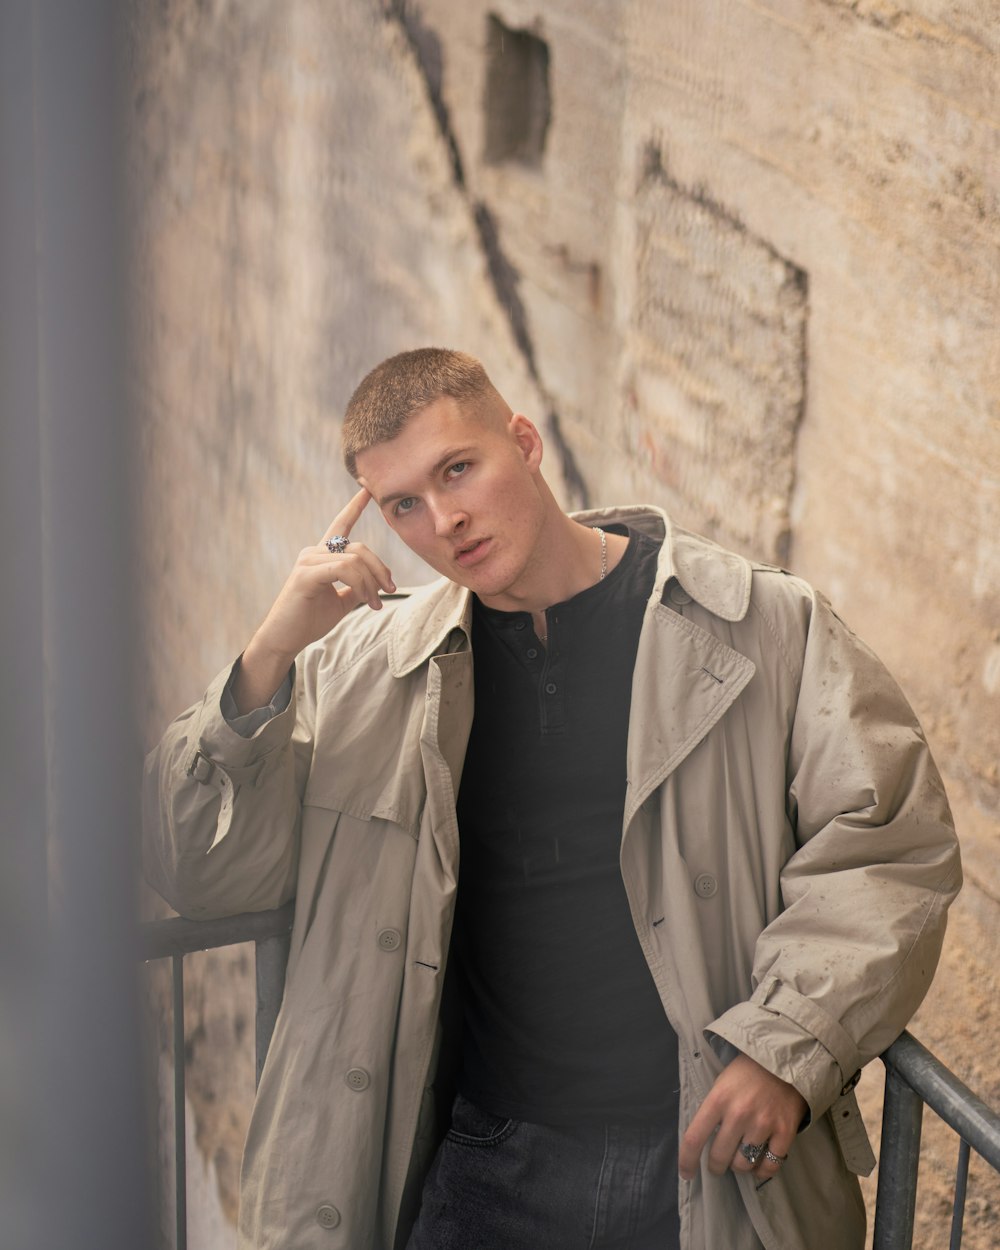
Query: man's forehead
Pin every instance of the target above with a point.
(437, 434)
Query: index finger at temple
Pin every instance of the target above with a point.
(347, 518)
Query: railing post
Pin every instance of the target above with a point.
(961, 1185)
(272, 958)
(180, 1107)
(270, 931)
(902, 1117)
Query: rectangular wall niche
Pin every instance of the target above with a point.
(719, 352)
(517, 106)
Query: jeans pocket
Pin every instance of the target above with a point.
(472, 1126)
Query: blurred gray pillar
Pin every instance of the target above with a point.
(71, 1144)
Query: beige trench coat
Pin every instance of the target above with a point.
(787, 852)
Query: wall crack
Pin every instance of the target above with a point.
(504, 276)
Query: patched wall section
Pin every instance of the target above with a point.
(718, 357)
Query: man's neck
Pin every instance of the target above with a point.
(570, 558)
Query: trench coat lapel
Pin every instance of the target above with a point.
(682, 686)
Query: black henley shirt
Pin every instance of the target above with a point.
(563, 1023)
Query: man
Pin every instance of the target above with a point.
(607, 841)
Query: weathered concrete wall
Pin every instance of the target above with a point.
(740, 257)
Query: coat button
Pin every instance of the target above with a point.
(705, 885)
(389, 939)
(678, 594)
(357, 1079)
(327, 1216)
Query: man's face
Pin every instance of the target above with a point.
(462, 491)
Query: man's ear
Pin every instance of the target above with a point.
(525, 434)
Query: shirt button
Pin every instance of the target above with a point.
(550, 687)
(705, 885)
(327, 1216)
(532, 653)
(679, 595)
(519, 624)
(389, 939)
(357, 1079)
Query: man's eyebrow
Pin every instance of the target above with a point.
(454, 453)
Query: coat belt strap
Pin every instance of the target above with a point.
(852, 1136)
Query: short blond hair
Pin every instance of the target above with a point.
(403, 385)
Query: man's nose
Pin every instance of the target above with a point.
(448, 519)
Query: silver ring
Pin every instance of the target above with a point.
(752, 1153)
(773, 1158)
(337, 545)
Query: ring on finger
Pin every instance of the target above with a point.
(773, 1158)
(337, 545)
(752, 1153)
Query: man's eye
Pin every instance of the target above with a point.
(459, 467)
(404, 506)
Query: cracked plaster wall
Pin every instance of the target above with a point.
(753, 273)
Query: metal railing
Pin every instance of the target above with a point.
(270, 931)
(914, 1077)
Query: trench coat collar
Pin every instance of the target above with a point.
(717, 579)
(425, 622)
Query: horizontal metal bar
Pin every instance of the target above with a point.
(177, 936)
(947, 1096)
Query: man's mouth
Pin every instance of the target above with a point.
(472, 552)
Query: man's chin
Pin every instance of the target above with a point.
(483, 584)
(482, 577)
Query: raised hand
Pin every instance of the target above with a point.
(321, 589)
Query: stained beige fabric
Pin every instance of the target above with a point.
(787, 852)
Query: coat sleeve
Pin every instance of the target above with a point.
(221, 813)
(839, 972)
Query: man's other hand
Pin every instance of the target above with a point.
(747, 1104)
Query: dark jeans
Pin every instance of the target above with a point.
(499, 1184)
